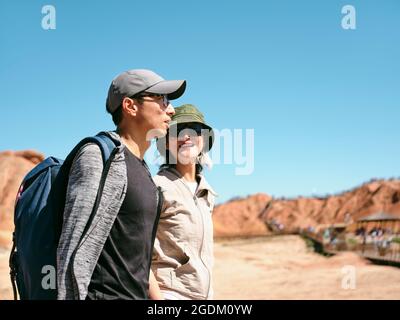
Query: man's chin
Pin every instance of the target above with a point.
(156, 133)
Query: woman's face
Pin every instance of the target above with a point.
(187, 145)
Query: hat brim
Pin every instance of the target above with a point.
(188, 119)
(172, 88)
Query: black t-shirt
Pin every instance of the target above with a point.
(122, 271)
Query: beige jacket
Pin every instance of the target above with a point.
(183, 249)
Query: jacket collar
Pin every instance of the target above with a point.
(203, 184)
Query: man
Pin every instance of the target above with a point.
(107, 254)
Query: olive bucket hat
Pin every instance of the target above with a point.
(188, 113)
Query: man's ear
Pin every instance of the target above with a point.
(129, 106)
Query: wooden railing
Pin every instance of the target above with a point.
(375, 252)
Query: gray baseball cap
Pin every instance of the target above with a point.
(135, 81)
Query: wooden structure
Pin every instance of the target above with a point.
(380, 220)
(379, 249)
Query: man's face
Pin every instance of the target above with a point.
(154, 115)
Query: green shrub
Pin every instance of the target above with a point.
(396, 240)
(352, 241)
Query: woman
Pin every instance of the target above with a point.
(183, 250)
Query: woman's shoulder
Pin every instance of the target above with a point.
(164, 178)
(160, 180)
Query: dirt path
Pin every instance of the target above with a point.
(284, 268)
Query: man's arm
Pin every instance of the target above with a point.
(83, 184)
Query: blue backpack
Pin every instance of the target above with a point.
(38, 220)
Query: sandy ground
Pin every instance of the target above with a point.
(283, 268)
(5, 284)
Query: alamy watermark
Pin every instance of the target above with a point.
(349, 20)
(230, 147)
(49, 18)
(349, 277)
(237, 147)
(49, 278)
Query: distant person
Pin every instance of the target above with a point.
(109, 257)
(183, 251)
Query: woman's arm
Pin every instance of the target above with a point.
(154, 289)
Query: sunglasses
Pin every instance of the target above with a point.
(191, 128)
(164, 97)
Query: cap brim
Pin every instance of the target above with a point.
(172, 88)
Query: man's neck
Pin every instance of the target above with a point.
(136, 143)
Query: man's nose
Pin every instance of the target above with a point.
(170, 110)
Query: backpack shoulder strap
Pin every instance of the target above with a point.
(105, 143)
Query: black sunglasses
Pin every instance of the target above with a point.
(198, 128)
(152, 95)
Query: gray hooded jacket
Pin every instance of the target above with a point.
(81, 243)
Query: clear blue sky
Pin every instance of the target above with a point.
(323, 101)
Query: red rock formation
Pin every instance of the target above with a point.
(248, 216)
(362, 201)
(13, 167)
(240, 217)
